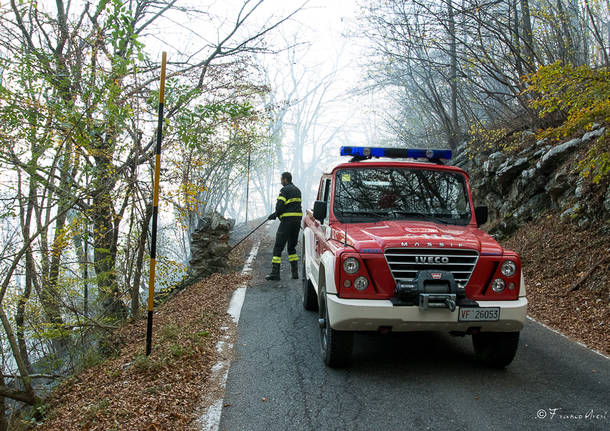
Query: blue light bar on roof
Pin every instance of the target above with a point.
(368, 152)
(364, 151)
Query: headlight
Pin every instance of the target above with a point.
(498, 285)
(361, 283)
(508, 268)
(351, 265)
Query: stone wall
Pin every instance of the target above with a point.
(209, 246)
(518, 187)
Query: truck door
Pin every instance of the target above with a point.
(320, 234)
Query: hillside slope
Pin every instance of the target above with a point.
(567, 274)
(130, 391)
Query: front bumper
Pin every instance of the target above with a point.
(370, 315)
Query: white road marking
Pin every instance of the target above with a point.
(237, 300)
(210, 420)
(565, 336)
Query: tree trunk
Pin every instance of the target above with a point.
(104, 254)
(568, 48)
(20, 314)
(3, 421)
(30, 272)
(516, 39)
(597, 34)
(135, 288)
(86, 274)
(21, 365)
(81, 247)
(528, 38)
(25, 397)
(608, 23)
(455, 132)
(50, 284)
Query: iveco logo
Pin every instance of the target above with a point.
(431, 259)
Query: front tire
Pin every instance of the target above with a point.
(336, 345)
(496, 349)
(310, 302)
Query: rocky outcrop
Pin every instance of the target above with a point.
(519, 187)
(551, 158)
(209, 253)
(209, 246)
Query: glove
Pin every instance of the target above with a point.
(272, 217)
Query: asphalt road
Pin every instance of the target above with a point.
(421, 381)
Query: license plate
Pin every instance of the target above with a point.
(490, 314)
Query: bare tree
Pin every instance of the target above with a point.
(81, 134)
(462, 64)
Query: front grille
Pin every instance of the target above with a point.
(405, 263)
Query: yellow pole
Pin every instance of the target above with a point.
(153, 240)
(248, 186)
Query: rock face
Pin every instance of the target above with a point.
(542, 176)
(551, 158)
(209, 246)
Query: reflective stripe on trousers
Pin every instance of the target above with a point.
(287, 234)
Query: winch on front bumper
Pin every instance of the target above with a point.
(431, 289)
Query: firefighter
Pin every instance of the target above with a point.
(288, 209)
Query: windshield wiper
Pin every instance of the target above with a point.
(411, 214)
(459, 219)
(365, 213)
(440, 218)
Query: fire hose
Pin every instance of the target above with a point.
(251, 232)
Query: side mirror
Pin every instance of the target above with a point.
(482, 214)
(319, 211)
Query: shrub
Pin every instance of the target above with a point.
(582, 95)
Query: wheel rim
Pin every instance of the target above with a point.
(324, 329)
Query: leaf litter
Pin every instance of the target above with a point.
(567, 274)
(167, 390)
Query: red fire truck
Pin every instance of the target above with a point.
(395, 245)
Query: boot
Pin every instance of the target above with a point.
(294, 267)
(275, 272)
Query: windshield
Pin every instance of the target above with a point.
(373, 194)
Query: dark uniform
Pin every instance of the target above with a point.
(288, 209)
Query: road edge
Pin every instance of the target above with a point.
(568, 338)
(210, 419)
